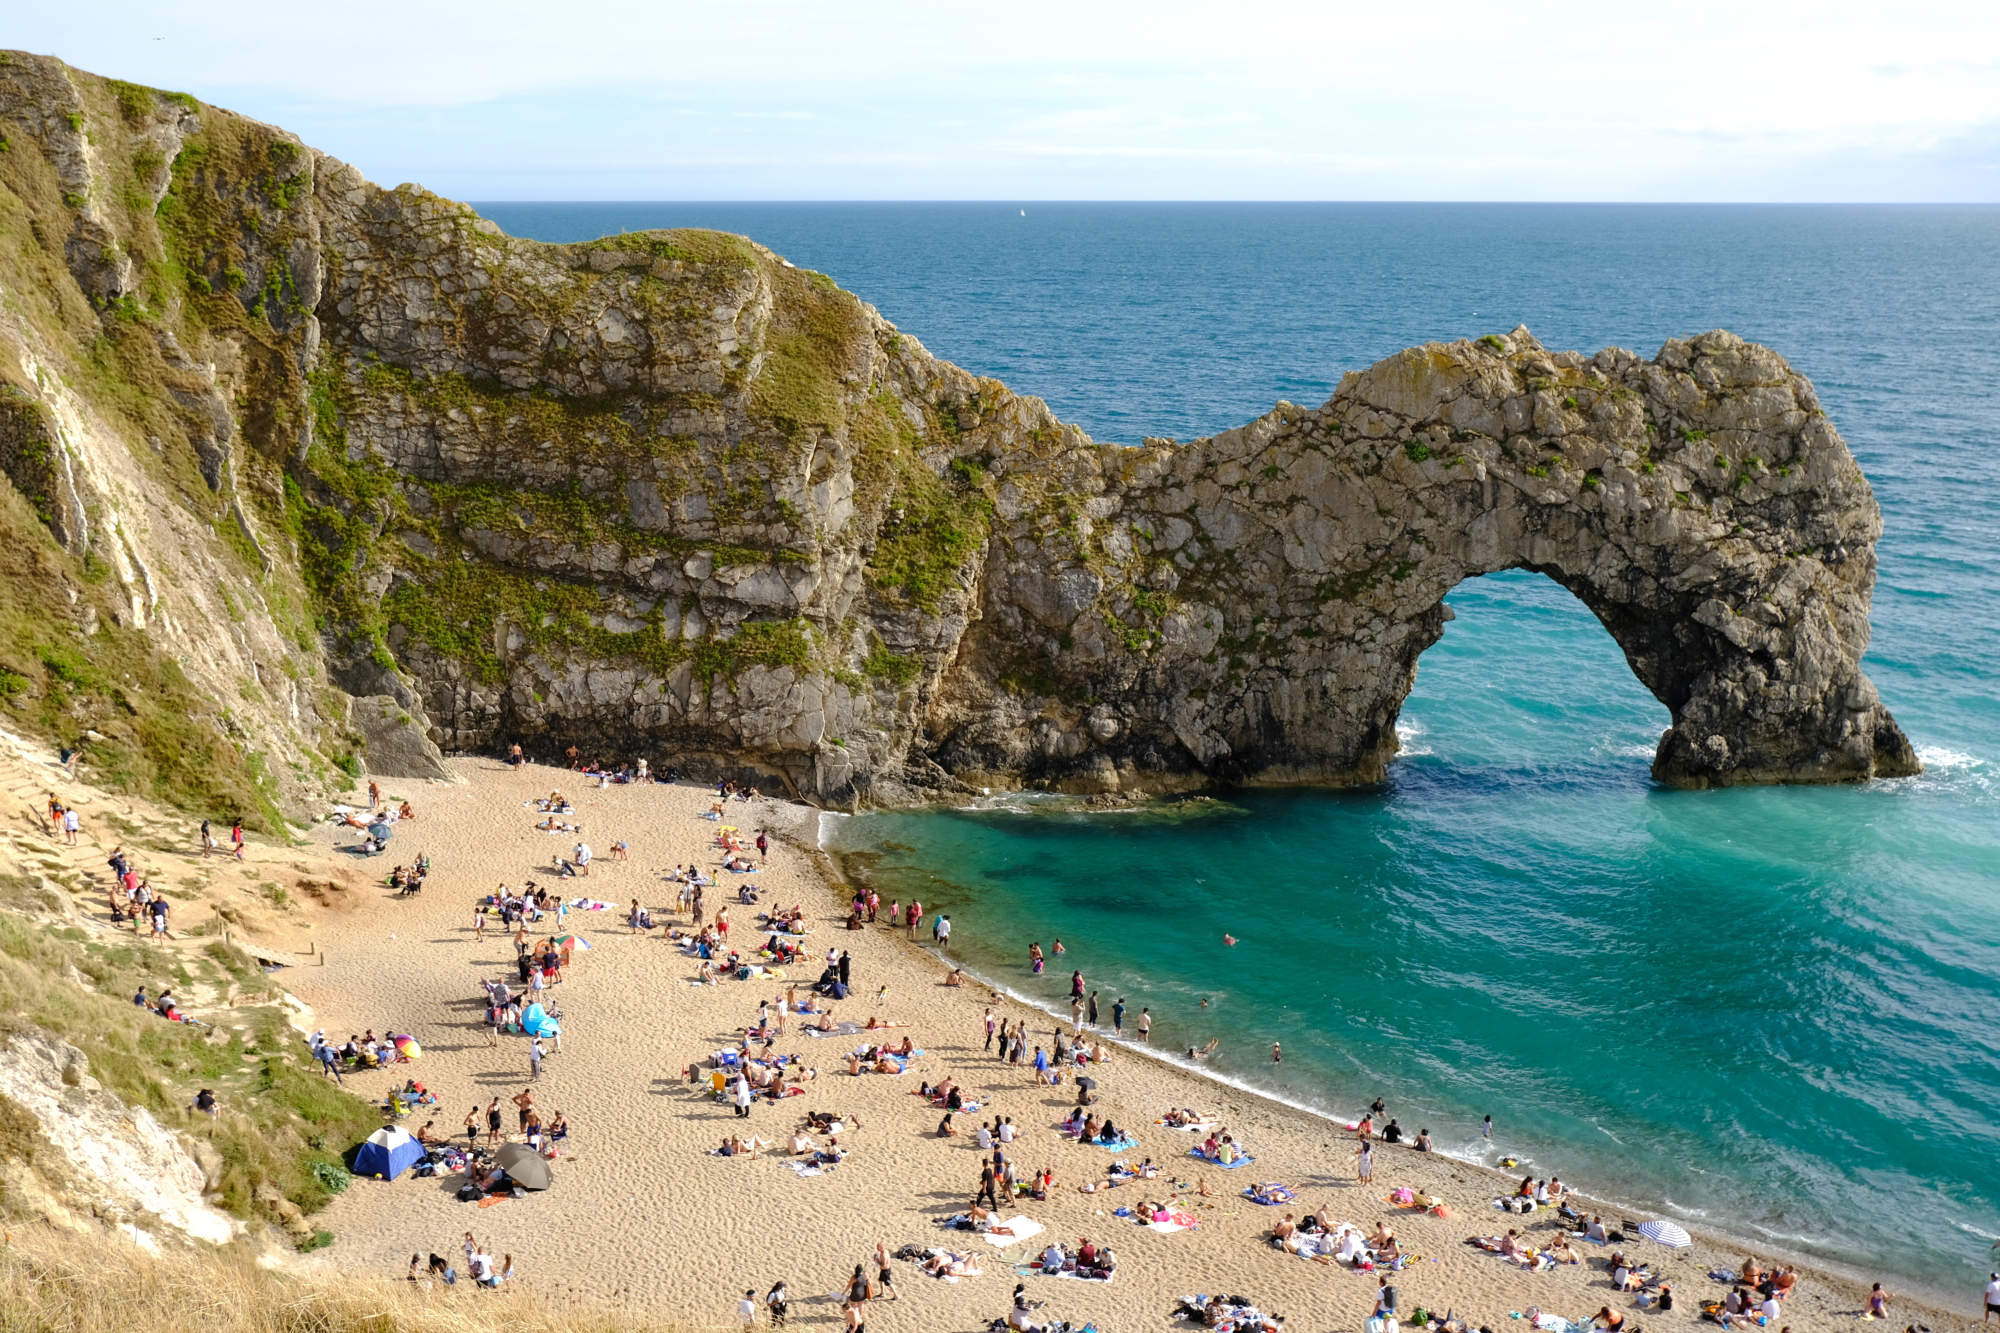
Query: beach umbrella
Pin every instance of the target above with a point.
(406, 1046)
(379, 831)
(1665, 1233)
(524, 1166)
(569, 942)
(1086, 1081)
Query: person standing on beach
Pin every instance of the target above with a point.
(236, 837)
(1076, 1012)
(914, 919)
(741, 1095)
(764, 845)
(534, 1060)
(207, 840)
(1118, 1017)
(1992, 1297)
(493, 1123)
(746, 1309)
(70, 825)
(1090, 1010)
(1146, 1025)
(778, 1301)
(1364, 1163)
(989, 1029)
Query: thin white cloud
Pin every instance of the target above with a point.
(1711, 99)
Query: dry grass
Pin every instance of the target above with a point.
(60, 1282)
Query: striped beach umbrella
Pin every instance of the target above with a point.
(1665, 1233)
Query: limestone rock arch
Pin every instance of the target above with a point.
(1251, 607)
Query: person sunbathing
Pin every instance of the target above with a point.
(1560, 1251)
(1510, 1244)
(826, 1023)
(956, 977)
(1286, 1229)
(800, 1143)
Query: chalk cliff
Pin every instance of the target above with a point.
(667, 494)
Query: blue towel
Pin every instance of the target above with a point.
(1241, 1161)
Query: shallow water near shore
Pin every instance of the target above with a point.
(1771, 1011)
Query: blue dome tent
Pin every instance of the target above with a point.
(387, 1154)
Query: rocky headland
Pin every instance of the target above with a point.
(366, 479)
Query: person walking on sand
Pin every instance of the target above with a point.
(764, 846)
(236, 837)
(885, 1280)
(207, 840)
(1146, 1026)
(746, 1309)
(583, 858)
(1364, 1163)
(915, 918)
(535, 1059)
(1992, 1297)
(70, 825)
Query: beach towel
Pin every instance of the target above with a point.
(1270, 1193)
(1244, 1160)
(805, 1166)
(1200, 1127)
(1124, 1141)
(839, 1030)
(588, 905)
(1023, 1228)
(1174, 1221)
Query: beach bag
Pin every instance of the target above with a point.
(469, 1193)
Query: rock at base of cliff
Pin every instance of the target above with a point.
(396, 744)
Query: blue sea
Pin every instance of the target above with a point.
(1773, 1011)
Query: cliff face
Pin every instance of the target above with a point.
(667, 494)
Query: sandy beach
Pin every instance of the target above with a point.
(643, 1216)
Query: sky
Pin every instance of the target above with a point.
(1893, 100)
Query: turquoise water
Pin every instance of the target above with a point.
(1770, 1010)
